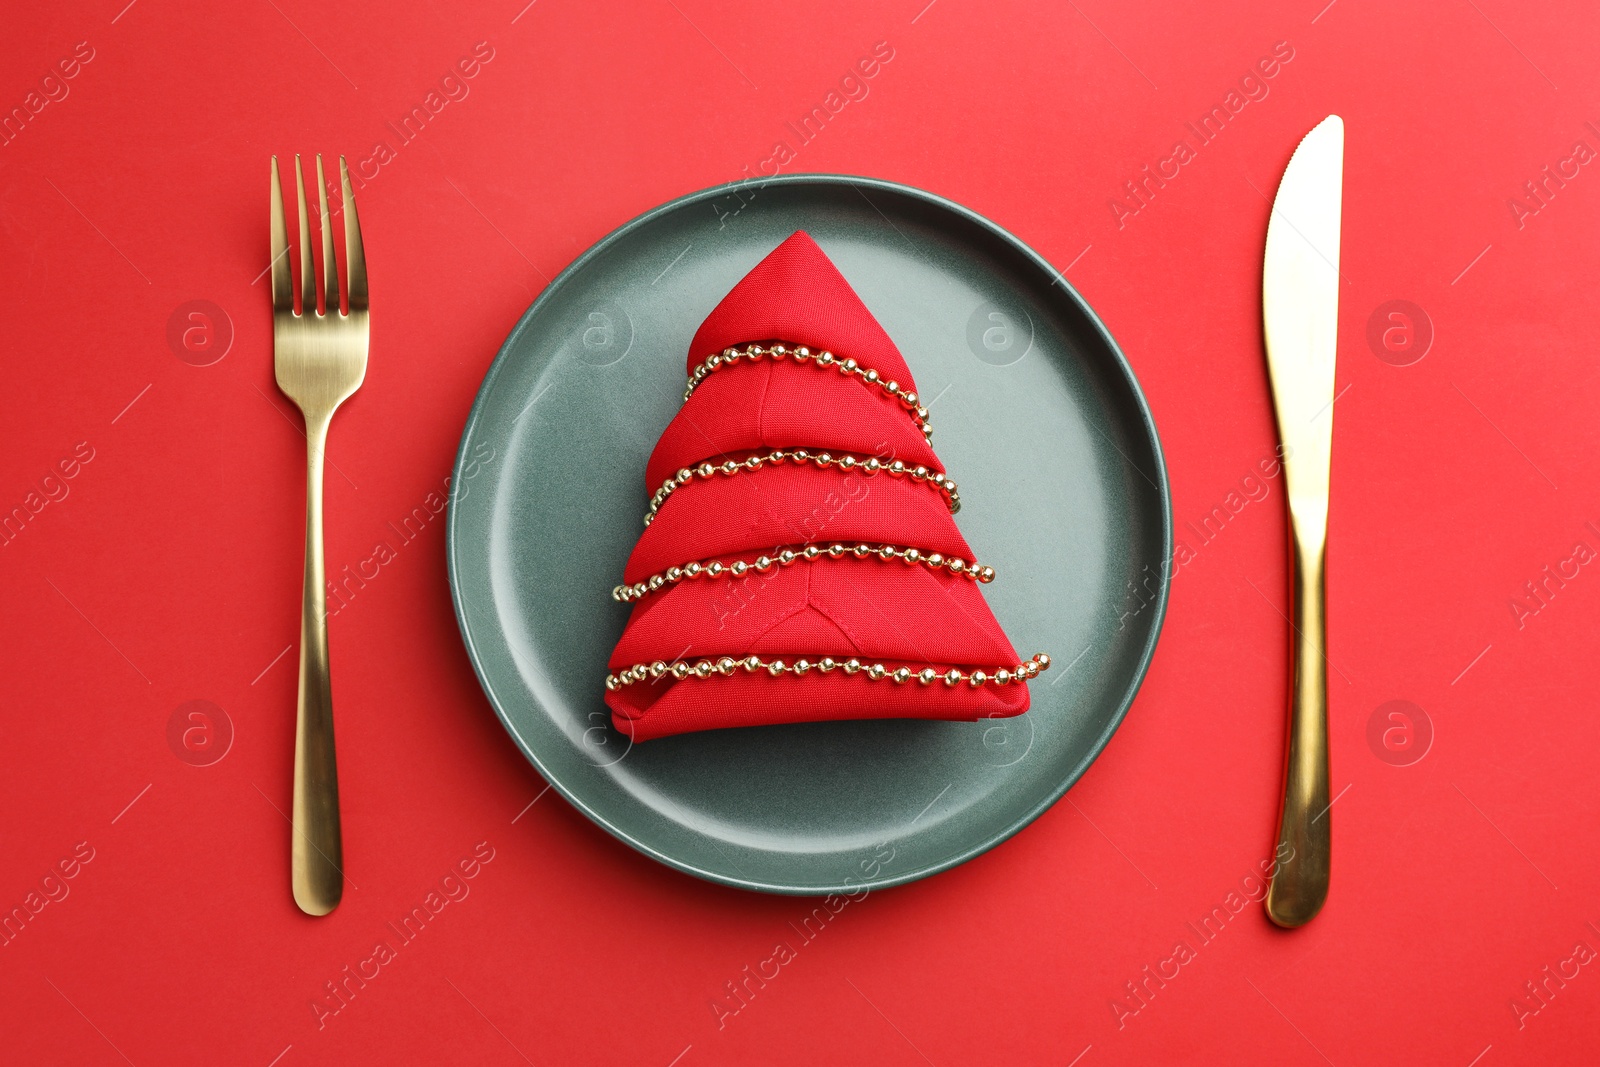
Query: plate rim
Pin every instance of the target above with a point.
(1146, 419)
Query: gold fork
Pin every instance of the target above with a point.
(320, 358)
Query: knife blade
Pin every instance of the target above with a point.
(1300, 312)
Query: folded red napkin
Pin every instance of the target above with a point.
(799, 560)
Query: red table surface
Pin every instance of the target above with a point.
(1462, 924)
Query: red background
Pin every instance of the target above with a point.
(169, 571)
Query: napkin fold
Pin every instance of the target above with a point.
(800, 560)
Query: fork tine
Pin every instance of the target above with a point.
(355, 256)
(282, 287)
(308, 272)
(330, 269)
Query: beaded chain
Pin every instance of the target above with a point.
(726, 666)
(801, 354)
(785, 557)
(876, 672)
(870, 465)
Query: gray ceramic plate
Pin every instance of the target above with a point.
(1035, 413)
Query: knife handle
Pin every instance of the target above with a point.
(1300, 881)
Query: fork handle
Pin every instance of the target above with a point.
(317, 868)
(1300, 880)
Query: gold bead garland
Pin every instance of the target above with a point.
(784, 557)
(871, 465)
(801, 354)
(726, 666)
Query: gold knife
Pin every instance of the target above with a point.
(1300, 309)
